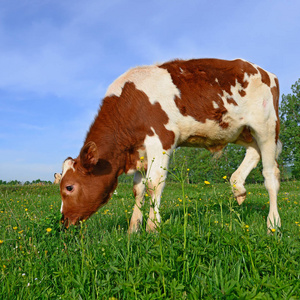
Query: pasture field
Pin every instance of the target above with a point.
(207, 247)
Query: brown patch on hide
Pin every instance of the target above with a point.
(230, 100)
(242, 93)
(202, 81)
(129, 118)
(265, 78)
(275, 92)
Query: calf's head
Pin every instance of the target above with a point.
(87, 183)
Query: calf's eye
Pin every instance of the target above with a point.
(70, 188)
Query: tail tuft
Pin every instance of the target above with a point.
(278, 148)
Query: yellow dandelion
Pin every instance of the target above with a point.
(206, 182)
(247, 226)
(1, 242)
(49, 229)
(26, 209)
(15, 228)
(188, 170)
(224, 177)
(273, 229)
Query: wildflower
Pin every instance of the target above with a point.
(164, 152)
(273, 229)
(26, 209)
(48, 229)
(224, 177)
(188, 170)
(206, 182)
(142, 157)
(1, 242)
(15, 228)
(247, 226)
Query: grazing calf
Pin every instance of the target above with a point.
(57, 178)
(149, 111)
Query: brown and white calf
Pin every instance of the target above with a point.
(149, 111)
(57, 178)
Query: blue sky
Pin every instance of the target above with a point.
(57, 57)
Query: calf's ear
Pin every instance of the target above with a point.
(89, 155)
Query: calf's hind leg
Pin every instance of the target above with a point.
(249, 162)
(271, 174)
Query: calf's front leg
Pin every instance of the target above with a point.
(139, 192)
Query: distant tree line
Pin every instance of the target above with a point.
(17, 182)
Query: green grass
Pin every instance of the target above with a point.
(228, 253)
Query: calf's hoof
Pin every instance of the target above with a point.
(240, 198)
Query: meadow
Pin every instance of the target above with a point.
(207, 246)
